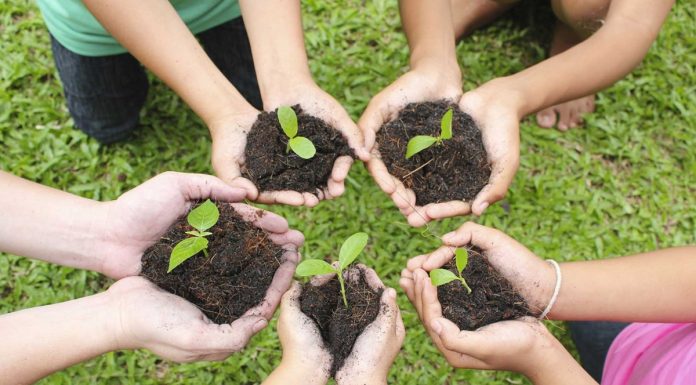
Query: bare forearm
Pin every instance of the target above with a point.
(48, 224)
(430, 33)
(598, 62)
(155, 34)
(650, 287)
(288, 374)
(557, 366)
(277, 43)
(37, 342)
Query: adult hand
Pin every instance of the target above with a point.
(376, 348)
(171, 327)
(424, 83)
(229, 134)
(314, 101)
(137, 219)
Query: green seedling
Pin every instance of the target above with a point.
(303, 147)
(201, 219)
(439, 277)
(350, 250)
(421, 142)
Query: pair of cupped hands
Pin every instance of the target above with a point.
(148, 317)
(495, 114)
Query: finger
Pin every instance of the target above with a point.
(502, 173)
(353, 135)
(290, 302)
(262, 219)
(431, 307)
(475, 234)
(310, 200)
(404, 199)
(227, 338)
(341, 168)
(372, 120)
(418, 218)
(400, 328)
(291, 240)
(230, 174)
(195, 187)
(381, 175)
(292, 198)
(321, 280)
(451, 338)
(438, 258)
(447, 209)
(389, 310)
(335, 189)
(407, 283)
(416, 263)
(419, 277)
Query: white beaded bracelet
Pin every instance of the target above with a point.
(556, 289)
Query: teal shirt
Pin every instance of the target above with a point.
(71, 23)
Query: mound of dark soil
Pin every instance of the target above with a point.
(271, 168)
(492, 298)
(232, 279)
(455, 170)
(340, 326)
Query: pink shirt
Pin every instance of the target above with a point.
(652, 354)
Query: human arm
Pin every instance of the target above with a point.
(108, 237)
(280, 59)
(614, 289)
(132, 314)
(155, 34)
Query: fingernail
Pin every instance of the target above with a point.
(483, 206)
(259, 325)
(436, 326)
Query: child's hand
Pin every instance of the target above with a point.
(496, 113)
(314, 101)
(304, 355)
(147, 317)
(532, 277)
(418, 85)
(522, 345)
(229, 135)
(376, 348)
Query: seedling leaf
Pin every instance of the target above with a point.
(446, 125)
(288, 121)
(461, 257)
(350, 249)
(311, 267)
(204, 216)
(185, 250)
(439, 277)
(303, 147)
(418, 143)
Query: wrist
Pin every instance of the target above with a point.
(283, 87)
(503, 92)
(293, 372)
(443, 70)
(553, 364)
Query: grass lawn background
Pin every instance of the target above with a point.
(623, 184)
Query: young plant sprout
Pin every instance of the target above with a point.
(439, 277)
(303, 147)
(420, 142)
(201, 219)
(350, 250)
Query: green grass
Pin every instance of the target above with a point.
(623, 184)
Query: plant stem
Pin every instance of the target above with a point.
(468, 289)
(287, 148)
(343, 288)
(205, 252)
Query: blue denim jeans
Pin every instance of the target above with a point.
(593, 339)
(105, 94)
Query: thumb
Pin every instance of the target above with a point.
(235, 336)
(460, 341)
(199, 186)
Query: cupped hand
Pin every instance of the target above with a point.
(138, 218)
(495, 110)
(316, 102)
(376, 348)
(417, 85)
(229, 135)
(303, 347)
(521, 345)
(149, 318)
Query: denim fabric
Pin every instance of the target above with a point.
(593, 339)
(105, 94)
